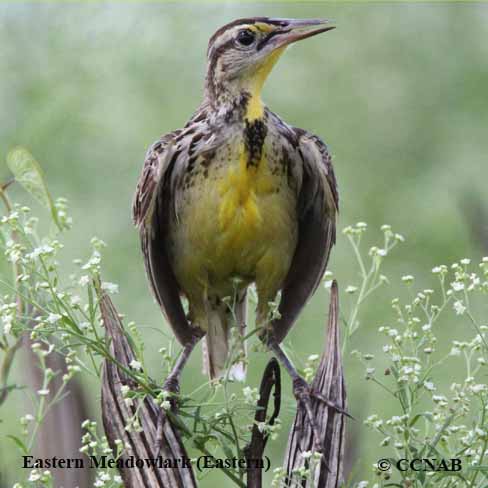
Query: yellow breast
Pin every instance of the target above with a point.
(239, 221)
(241, 191)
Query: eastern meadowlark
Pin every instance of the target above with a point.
(236, 197)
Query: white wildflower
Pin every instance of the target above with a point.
(455, 351)
(7, 323)
(478, 388)
(457, 285)
(34, 475)
(251, 395)
(459, 307)
(84, 280)
(52, 318)
(135, 365)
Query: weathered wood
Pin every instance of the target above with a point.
(329, 382)
(255, 449)
(116, 412)
(60, 432)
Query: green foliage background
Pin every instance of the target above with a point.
(399, 92)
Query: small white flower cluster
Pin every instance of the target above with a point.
(163, 400)
(8, 313)
(61, 206)
(271, 430)
(455, 418)
(135, 365)
(310, 367)
(127, 395)
(304, 473)
(94, 445)
(251, 395)
(133, 424)
(38, 477)
(355, 230)
(371, 278)
(279, 476)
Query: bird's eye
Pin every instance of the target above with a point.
(246, 37)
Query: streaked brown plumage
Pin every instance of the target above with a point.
(237, 193)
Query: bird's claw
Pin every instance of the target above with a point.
(304, 393)
(330, 404)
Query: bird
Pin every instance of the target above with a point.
(236, 198)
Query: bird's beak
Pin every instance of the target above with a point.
(292, 30)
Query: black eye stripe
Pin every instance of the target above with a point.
(265, 39)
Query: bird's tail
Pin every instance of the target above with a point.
(216, 349)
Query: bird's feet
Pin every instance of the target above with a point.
(304, 393)
(168, 401)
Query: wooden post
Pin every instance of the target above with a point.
(329, 382)
(116, 413)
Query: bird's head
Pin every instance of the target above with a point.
(242, 53)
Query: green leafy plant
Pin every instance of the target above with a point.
(60, 315)
(54, 313)
(434, 421)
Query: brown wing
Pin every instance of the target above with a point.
(317, 208)
(150, 211)
(154, 167)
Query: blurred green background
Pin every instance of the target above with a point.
(399, 92)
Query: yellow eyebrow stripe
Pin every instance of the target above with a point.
(264, 27)
(258, 27)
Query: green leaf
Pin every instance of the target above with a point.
(421, 477)
(29, 174)
(19, 443)
(226, 447)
